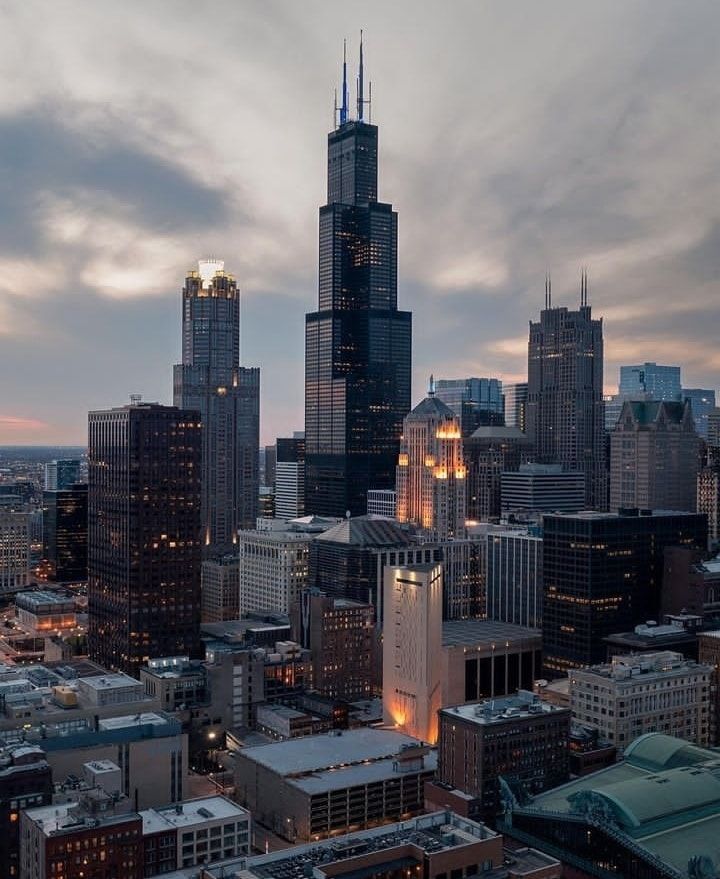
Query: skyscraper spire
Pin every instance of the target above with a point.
(360, 88)
(431, 386)
(344, 105)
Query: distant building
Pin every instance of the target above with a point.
(515, 738)
(65, 533)
(542, 488)
(633, 695)
(654, 453)
(14, 549)
(713, 434)
(679, 633)
(515, 395)
(691, 584)
(241, 678)
(412, 646)
(45, 611)
(144, 534)
(431, 474)
(565, 414)
(274, 564)
(211, 381)
(270, 459)
(62, 473)
(317, 786)
(515, 577)
(346, 561)
(602, 573)
(490, 452)
(475, 401)
(702, 402)
(220, 588)
(659, 382)
(340, 635)
(382, 502)
(290, 477)
(708, 500)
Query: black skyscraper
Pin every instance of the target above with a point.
(65, 532)
(144, 534)
(357, 345)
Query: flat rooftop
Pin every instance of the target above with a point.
(433, 833)
(148, 718)
(110, 681)
(190, 813)
(297, 757)
(492, 711)
(57, 818)
(459, 633)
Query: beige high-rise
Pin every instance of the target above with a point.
(412, 649)
(430, 480)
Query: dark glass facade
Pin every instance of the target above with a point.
(227, 395)
(144, 535)
(357, 345)
(565, 410)
(65, 533)
(603, 574)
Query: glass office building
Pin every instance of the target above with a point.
(357, 344)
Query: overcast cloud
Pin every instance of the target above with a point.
(515, 138)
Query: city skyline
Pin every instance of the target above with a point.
(501, 164)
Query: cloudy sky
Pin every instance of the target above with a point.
(515, 137)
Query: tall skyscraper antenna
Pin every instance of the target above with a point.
(369, 102)
(549, 290)
(335, 110)
(344, 105)
(360, 88)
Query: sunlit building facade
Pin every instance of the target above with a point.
(412, 649)
(430, 482)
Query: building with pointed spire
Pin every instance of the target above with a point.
(565, 407)
(211, 381)
(357, 343)
(430, 480)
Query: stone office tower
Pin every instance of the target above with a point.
(357, 344)
(227, 395)
(430, 482)
(565, 408)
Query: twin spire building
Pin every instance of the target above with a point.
(357, 343)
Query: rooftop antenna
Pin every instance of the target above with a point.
(549, 288)
(360, 90)
(335, 110)
(344, 105)
(369, 102)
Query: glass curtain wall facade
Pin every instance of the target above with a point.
(144, 535)
(357, 344)
(227, 395)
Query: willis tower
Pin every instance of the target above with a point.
(357, 344)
